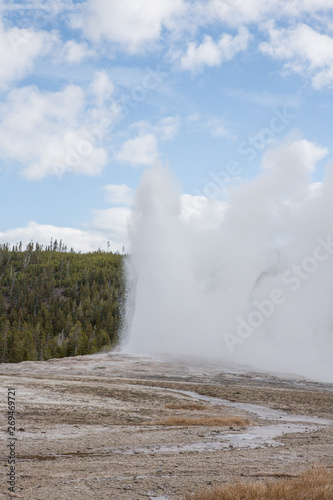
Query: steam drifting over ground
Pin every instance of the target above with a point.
(247, 280)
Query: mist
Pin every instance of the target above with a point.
(245, 278)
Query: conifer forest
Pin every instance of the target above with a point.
(56, 303)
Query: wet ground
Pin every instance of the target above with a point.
(85, 427)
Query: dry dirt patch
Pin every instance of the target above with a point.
(185, 406)
(84, 436)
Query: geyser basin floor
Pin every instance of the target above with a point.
(84, 436)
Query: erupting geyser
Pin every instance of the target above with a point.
(248, 279)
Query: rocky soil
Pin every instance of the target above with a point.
(85, 427)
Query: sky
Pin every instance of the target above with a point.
(93, 93)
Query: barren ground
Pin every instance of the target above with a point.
(84, 427)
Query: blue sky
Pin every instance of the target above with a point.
(93, 93)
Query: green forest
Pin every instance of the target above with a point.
(56, 303)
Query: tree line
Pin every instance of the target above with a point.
(56, 303)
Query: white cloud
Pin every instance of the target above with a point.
(108, 225)
(51, 133)
(80, 240)
(112, 222)
(213, 125)
(297, 7)
(191, 205)
(305, 51)
(119, 194)
(167, 128)
(74, 52)
(49, 8)
(129, 24)
(139, 25)
(142, 150)
(210, 53)
(299, 156)
(309, 152)
(142, 25)
(102, 87)
(216, 128)
(19, 48)
(201, 212)
(240, 12)
(235, 12)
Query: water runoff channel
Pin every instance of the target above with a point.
(258, 436)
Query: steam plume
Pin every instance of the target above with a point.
(246, 281)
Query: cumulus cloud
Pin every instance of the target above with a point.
(102, 87)
(304, 50)
(301, 156)
(106, 226)
(19, 49)
(240, 12)
(51, 133)
(210, 53)
(167, 128)
(213, 125)
(140, 151)
(74, 52)
(297, 7)
(143, 149)
(201, 212)
(234, 12)
(112, 222)
(80, 240)
(217, 129)
(131, 25)
(119, 194)
(139, 26)
(310, 153)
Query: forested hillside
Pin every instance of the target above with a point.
(55, 303)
